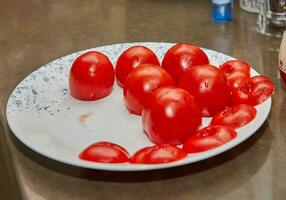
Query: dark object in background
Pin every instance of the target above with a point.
(278, 6)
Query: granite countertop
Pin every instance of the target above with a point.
(33, 33)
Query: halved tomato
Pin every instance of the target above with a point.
(132, 58)
(235, 116)
(236, 72)
(157, 154)
(209, 138)
(105, 152)
(253, 91)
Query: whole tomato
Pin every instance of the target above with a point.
(158, 154)
(141, 82)
(253, 91)
(209, 138)
(236, 72)
(181, 57)
(208, 86)
(105, 152)
(235, 116)
(91, 76)
(132, 58)
(170, 116)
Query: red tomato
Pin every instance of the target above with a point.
(132, 58)
(170, 116)
(208, 138)
(91, 76)
(208, 85)
(253, 91)
(236, 72)
(105, 152)
(141, 82)
(181, 57)
(235, 116)
(157, 154)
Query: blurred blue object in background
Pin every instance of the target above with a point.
(222, 10)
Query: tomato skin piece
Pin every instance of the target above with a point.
(207, 84)
(132, 58)
(236, 72)
(105, 152)
(170, 116)
(253, 91)
(209, 138)
(140, 84)
(91, 76)
(235, 116)
(181, 57)
(158, 154)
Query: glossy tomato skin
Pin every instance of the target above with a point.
(158, 154)
(209, 138)
(105, 152)
(253, 91)
(207, 84)
(132, 58)
(170, 116)
(141, 82)
(91, 76)
(235, 116)
(236, 72)
(181, 57)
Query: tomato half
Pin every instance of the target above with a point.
(170, 116)
(105, 152)
(236, 72)
(91, 76)
(253, 91)
(181, 57)
(158, 154)
(208, 86)
(235, 116)
(209, 138)
(132, 58)
(141, 82)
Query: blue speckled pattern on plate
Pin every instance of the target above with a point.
(43, 115)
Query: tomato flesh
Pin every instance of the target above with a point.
(208, 86)
(236, 116)
(158, 154)
(253, 91)
(105, 152)
(170, 116)
(141, 82)
(181, 57)
(91, 76)
(236, 72)
(209, 138)
(132, 58)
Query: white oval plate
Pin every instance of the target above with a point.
(42, 114)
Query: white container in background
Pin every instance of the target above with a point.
(249, 5)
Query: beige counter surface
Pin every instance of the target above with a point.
(33, 33)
